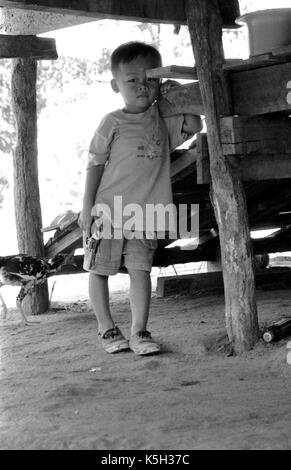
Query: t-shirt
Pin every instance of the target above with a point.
(135, 149)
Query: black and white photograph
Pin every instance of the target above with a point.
(145, 228)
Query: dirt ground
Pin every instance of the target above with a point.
(59, 390)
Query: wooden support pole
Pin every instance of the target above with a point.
(205, 27)
(26, 189)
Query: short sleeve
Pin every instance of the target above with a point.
(99, 148)
(174, 126)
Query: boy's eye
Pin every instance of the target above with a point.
(132, 80)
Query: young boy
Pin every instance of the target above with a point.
(129, 161)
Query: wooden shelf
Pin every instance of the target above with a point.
(279, 55)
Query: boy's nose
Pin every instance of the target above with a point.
(142, 86)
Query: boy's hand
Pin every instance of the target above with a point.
(85, 221)
(167, 85)
(192, 124)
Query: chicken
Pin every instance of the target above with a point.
(28, 271)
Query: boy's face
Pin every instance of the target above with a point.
(138, 91)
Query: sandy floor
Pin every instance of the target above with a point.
(59, 390)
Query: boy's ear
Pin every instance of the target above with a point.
(114, 85)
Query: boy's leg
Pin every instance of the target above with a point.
(141, 341)
(99, 296)
(112, 339)
(140, 298)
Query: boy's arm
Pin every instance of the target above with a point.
(175, 99)
(93, 178)
(192, 124)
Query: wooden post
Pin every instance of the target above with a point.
(26, 189)
(205, 27)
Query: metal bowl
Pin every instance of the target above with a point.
(267, 29)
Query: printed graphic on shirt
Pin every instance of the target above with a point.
(152, 149)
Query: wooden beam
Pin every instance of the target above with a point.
(26, 188)
(159, 11)
(213, 281)
(248, 135)
(261, 91)
(164, 257)
(267, 206)
(31, 47)
(189, 284)
(173, 71)
(31, 22)
(181, 72)
(261, 167)
(277, 56)
(276, 243)
(228, 197)
(183, 165)
(65, 240)
(256, 160)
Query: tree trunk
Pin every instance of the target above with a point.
(26, 188)
(205, 27)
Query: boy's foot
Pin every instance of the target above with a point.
(113, 341)
(142, 343)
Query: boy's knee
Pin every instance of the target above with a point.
(138, 273)
(98, 277)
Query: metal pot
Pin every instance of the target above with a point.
(267, 29)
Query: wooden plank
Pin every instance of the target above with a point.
(64, 242)
(159, 11)
(254, 92)
(208, 282)
(260, 148)
(261, 91)
(28, 22)
(263, 167)
(264, 60)
(189, 284)
(32, 47)
(256, 135)
(278, 56)
(249, 167)
(183, 165)
(265, 210)
(170, 256)
(173, 71)
(25, 164)
(277, 242)
(67, 219)
(188, 73)
(240, 129)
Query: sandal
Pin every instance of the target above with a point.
(142, 344)
(113, 341)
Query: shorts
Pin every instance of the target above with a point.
(113, 255)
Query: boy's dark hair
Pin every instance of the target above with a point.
(131, 50)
